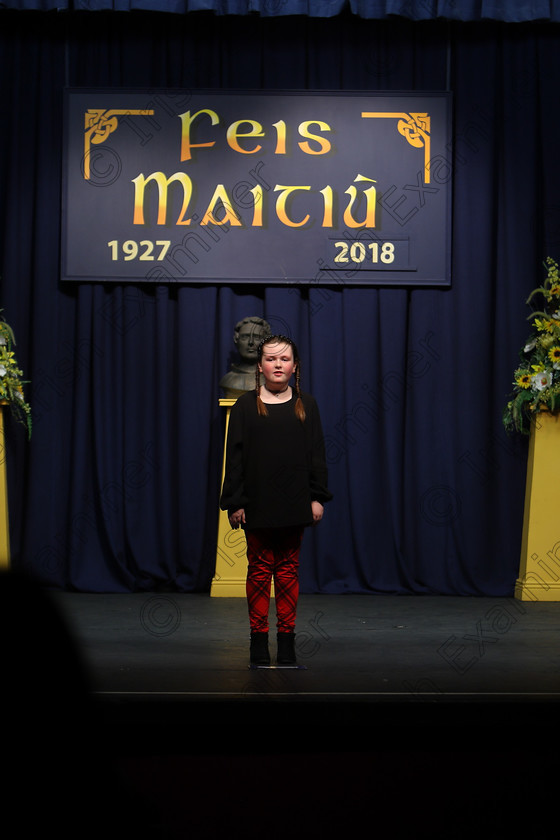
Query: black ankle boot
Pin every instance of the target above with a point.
(259, 649)
(286, 649)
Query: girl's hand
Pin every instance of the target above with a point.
(237, 518)
(317, 511)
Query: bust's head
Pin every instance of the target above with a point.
(248, 335)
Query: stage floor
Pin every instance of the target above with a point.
(423, 716)
(356, 652)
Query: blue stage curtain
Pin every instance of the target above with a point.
(507, 11)
(118, 489)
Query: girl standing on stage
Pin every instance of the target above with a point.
(275, 485)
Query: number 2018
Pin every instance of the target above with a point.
(357, 252)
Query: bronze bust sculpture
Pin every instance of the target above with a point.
(247, 336)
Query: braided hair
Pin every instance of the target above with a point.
(279, 339)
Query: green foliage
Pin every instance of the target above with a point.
(537, 377)
(11, 382)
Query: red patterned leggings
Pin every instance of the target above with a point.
(273, 552)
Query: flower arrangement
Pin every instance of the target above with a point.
(537, 378)
(11, 383)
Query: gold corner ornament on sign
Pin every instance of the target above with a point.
(99, 124)
(415, 128)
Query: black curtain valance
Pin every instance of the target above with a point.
(506, 11)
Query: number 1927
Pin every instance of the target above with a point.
(358, 252)
(145, 250)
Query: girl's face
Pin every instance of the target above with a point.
(277, 365)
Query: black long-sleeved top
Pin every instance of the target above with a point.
(275, 465)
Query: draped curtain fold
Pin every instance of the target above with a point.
(118, 489)
(507, 11)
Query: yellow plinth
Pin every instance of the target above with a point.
(231, 551)
(539, 571)
(4, 522)
(231, 557)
